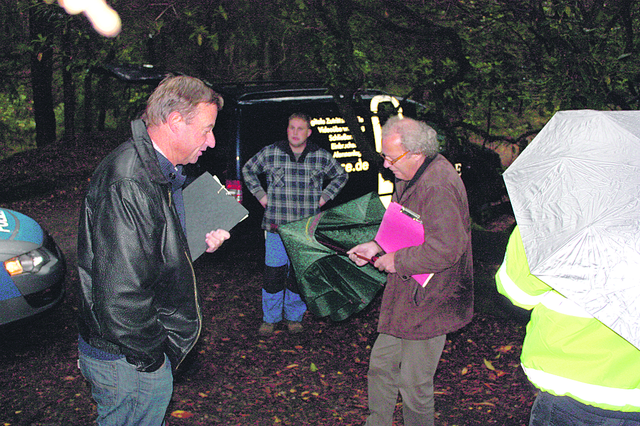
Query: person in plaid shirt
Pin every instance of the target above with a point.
(296, 171)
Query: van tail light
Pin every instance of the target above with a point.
(235, 188)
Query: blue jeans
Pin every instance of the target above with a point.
(273, 306)
(551, 410)
(284, 301)
(125, 396)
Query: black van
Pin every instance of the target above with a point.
(256, 114)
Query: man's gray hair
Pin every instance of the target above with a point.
(416, 136)
(179, 93)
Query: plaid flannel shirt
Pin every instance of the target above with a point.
(294, 187)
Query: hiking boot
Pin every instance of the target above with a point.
(295, 327)
(266, 329)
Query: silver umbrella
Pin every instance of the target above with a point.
(575, 192)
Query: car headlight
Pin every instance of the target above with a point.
(26, 263)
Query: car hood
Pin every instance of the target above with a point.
(18, 234)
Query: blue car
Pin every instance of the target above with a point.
(33, 268)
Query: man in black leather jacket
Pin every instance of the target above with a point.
(139, 312)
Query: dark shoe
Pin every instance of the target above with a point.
(266, 329)
(295, 327)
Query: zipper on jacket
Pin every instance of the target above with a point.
(195, 294)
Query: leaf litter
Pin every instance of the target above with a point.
(233, 376)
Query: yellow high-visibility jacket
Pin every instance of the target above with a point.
(566, 351)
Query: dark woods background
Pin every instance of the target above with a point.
(491, 72)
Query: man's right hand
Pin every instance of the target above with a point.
(263, 201)
(151, 365)
(360, 253)
(214, 239)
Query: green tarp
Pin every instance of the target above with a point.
(330, 283)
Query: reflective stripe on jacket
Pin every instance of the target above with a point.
(566, 351)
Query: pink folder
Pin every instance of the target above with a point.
(401, 228)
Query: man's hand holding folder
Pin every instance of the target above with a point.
(400, 228)
(210, 214)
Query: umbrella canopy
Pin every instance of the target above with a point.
(575, 192)
(330, 283)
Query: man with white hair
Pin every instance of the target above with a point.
(414, 320)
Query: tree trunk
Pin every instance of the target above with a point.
(42, 79)
(69, 90)
(365, 144)
(88, 101)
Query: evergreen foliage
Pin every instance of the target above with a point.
(490, 71)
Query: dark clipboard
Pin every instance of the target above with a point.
(209, 206)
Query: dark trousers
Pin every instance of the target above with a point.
(551, 410)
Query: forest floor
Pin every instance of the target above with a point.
(234, 376)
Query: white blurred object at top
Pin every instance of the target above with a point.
(104, 19)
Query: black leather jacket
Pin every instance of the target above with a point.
(138, 294)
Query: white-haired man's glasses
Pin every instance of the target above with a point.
(394, 160)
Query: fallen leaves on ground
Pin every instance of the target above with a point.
(235, 377)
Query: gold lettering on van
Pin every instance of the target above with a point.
(333, 129)
(340, 142)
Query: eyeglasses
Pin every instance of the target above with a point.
(392, 161)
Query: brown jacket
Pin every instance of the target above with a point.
(446, 304)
